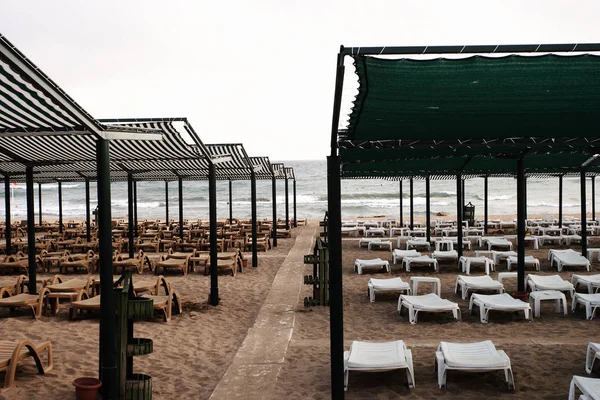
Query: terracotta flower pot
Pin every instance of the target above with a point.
(87, 388)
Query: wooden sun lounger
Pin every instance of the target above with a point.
(34, 301)
(165, 302)
(173, 263)
(132, 264)
(77, 261)
(11, 353)
(9, 288)
(66, 290)
(84, 302)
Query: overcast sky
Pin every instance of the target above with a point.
(256, 72)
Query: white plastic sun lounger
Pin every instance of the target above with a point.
(499, 302)
(377, 262)
(364, 242)
(591, 281)
(398, 255)
(386, 285)
(593, 352)
(407, 261)
(549, 282)
(426, 303)
(467, 262)
(590, 387)
(590, 301)
(569, 259)
(473, 357)
(441, 256)
(378, 357)
(417, 243)
(499, 242)
(499, 256)
(530, 261)
(473, 283)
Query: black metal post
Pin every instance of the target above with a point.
(40, 203)
(274, 195)
(459, 216)
(7, 217)
(212, 206)
(412, 208)
(30, 231)
(135, 209)
(254, 221)
(60, 208)
(287, 203)
(295, 216)
(401, 211)
(593, 198)
(521, 206)
(462, 187)
(560, 201)
(108, 356)
(525, 205)
(230, 202)
(485, 205)
(88, 217)
(130, 214)
(181, 211)
(427, 209)
(583, 216)
(167, 203)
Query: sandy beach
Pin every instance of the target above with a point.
(194, 350)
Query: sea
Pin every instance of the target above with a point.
(360, 198)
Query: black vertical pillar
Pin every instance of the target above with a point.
(7, 217)
(401, 211)
(274, 196)
(40, 203)
(560, 201)
(459, 216)
(181, 210)
(135, 209)
(462, 187)
(287, 203)
(485, 205)
(108, 356)
(427, 208)
(525, 205)
(88, 217)
(521, 206)
(212, 207)
(30, 231)
(295, 216)
(230, 203)
(254, 221)
(167, 203)
(60, 208)
(412, 209)
(593, 198)
(130, 214)
(583, 216)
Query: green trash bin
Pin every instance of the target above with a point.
(469, 214)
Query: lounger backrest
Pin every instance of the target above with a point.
(472, 355)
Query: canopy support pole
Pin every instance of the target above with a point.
(40, 203)
(462, 188)
(560, 201)
(31, 231)
(88, 228)
(427, 209)
(135, 209)
(254, 222)
(459, 213)
(401, 214)
(525, 199)
(583, 216)
(412, 209)
(295, 216)
(485, 205)
(274, 196)
(167, 203)
(60, 208)
(230, 202)
(593, 198)
(7, 216)
(108, 356)
(521, 207)
(334, 212)
(131, 221)
(212, 206)
(180, 188)
(287, 203)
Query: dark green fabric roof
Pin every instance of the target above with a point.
(476, 97)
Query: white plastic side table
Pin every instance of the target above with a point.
(437, 287)
(539, 295)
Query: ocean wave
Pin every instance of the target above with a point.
(498, 197)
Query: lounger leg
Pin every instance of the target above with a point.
(572, 390)
(441, 369)
(589, 361)
(410, 375)
(371, 294)
(588, 310)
